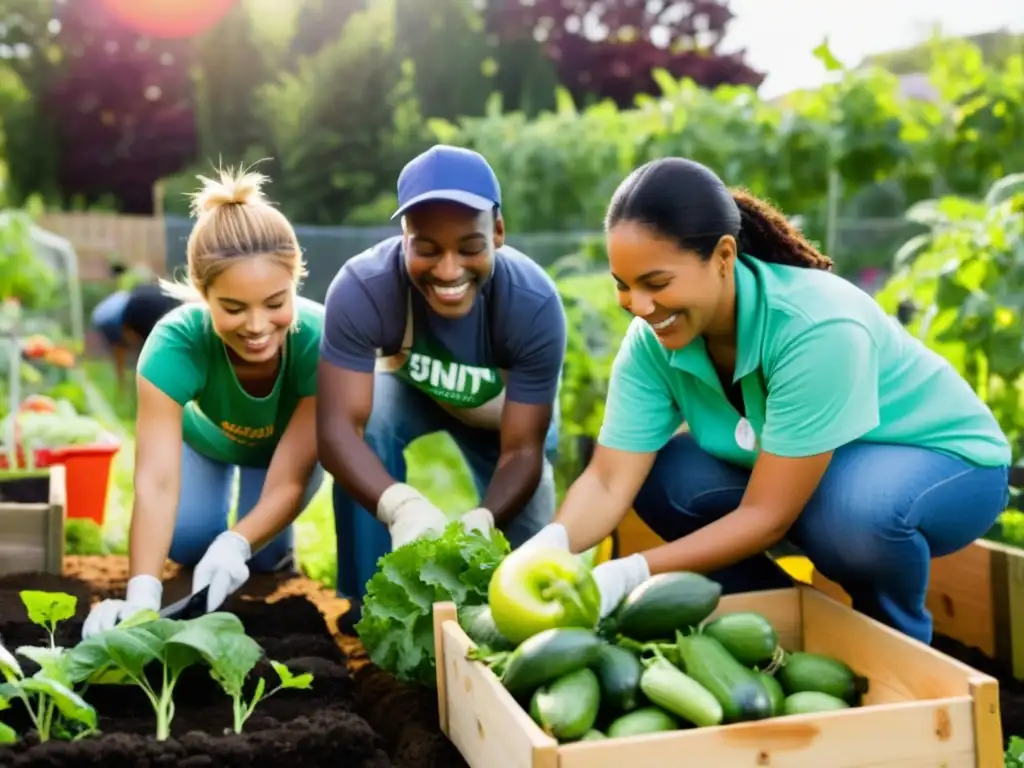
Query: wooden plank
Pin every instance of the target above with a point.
(907, 735)
(442, 612)
(988, 728)
(24, 537)
(963, 596)
(636, 536)
(55, 517)
(975, 596)
(898, 667)
(485, 722)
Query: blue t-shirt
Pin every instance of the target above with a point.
(517, 323)
(108, 316)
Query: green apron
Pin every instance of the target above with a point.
(473, 394)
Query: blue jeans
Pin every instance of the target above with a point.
(879, 515)
(400, 415)
(206, 491)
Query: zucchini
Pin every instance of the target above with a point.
(803, 671)
(593, 735)
(549, 655)
(619, 672)
(775, 693)
(567, 708)
(738, 688)
(643, 720)
(807, 702)
(666, 603)
(678, 693)
(748, 636)
(477, 622)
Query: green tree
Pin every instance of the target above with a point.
(341, 125)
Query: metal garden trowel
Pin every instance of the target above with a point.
(189, 607)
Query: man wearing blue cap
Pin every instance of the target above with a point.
(441, 328)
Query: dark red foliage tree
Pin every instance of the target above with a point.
(608, 48)
(122, 107)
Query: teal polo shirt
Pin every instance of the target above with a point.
(819, 364)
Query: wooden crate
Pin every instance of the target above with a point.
(924, 709)
(32, 535)
(975, 596)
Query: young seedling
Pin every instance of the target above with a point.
(51, 697)
(221, 640)
(121, 655)
(50, 687)
(48, 609)
(8, 735)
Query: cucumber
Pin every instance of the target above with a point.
(807, 702)
(477, 622)
(567, 708)
(775, 693)
(803, 671)
(748, 636)
(738, 688)
(593, 735)
(549, 655)
(619, 672)
(643, 720)
(666, 603)
(678, 693)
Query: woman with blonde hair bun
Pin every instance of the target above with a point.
(225, 381)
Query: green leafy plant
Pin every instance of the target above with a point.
(48, 693)
(1014, 757)
(965, 276)
(397, 627)
(216, 640)
(231, 654)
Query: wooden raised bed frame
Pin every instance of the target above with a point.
(924, 709)
(32, 535)
(975, 596)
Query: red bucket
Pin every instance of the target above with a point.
(87, 469)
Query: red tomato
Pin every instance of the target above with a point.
(169, 18)
(39, 404)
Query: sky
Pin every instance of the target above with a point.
(779, 34)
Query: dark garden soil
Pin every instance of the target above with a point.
(1011, 690)
(355, 715)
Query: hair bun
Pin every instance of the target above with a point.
(230, 188)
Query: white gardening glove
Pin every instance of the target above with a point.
(617, 578)
(223, 568)
(143, 594)
(480, 520)
(551, 535)
(409, 515)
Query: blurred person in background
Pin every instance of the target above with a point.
(126, 318)
(443, 328)
(226, 383)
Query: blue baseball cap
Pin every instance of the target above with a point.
(449, 173)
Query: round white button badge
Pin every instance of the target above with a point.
(745, 436)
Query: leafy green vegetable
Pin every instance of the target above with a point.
(397, 627)
(1014, 757)
(220, 640)
(7, 734)
(127, 651)
(48, 609)
(47, 695)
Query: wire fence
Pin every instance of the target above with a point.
(327, 248)
(863, 251)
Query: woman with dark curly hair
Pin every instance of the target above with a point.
(813, 416)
